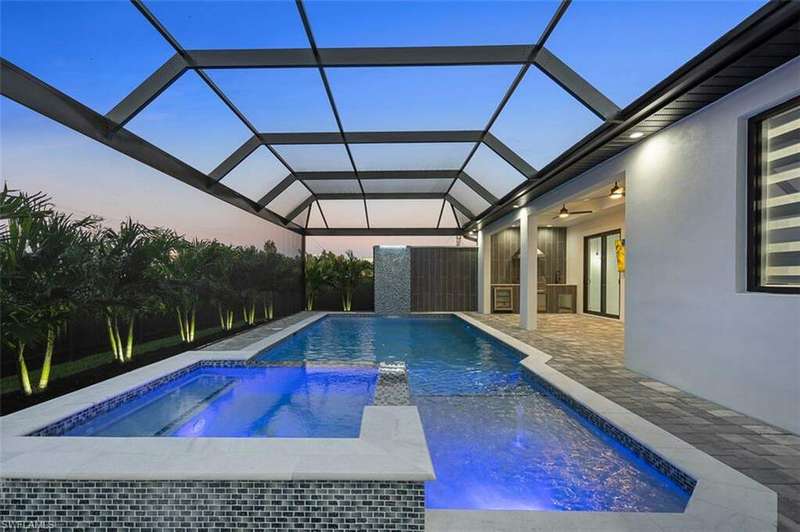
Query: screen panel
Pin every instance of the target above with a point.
(428, 23)
(542, 120)
(315, 157)
(316, 221)
(406, 185)
(404, 213)
(448, 220)
(468, 197)
(233, 23)
(179, 120)
(491, 171)
(256, 175)
(289, 199)
(418, 98)
(96, 52)
(344, 213)
(621, 49)
(411, 156)
(333, 186)
(278, 99)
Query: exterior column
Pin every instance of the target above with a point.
(484, 272)
(528, 275)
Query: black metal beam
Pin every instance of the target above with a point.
(301, 10)
(380, 195)
(574, 84)
(233, 160)
(161, 29)
(304, 205)
(379, 174)
(26, 89)
(285, 183)
(372, 137)
(477, 187)
(362, 57)
(509, 156)
(148, 90)
(529, 59)
(458, 205)
(386, 231)
(770, 21)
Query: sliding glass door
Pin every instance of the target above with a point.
(600, 275)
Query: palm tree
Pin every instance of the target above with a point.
(315, 277)
(185, 282)
(21, 316)
(219, 273)
(345, 272)
(129, 264)
(61, 250)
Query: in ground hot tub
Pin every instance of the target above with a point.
(293, 401)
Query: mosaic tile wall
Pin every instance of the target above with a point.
(392, 280)
(392, 388)
(197, 504)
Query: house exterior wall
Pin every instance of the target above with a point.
(615, 219)
(689, 320)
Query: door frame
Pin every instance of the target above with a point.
(603, 280)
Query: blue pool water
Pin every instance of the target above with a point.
(497, 441)
(289, 402)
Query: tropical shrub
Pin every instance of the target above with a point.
(56, 268)
(45, 260)
(315, 277)
(344, 273)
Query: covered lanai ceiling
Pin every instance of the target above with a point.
(384, 117)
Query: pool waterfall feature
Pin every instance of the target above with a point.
(377, 480)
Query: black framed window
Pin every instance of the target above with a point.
(774, 199)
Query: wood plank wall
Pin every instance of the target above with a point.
(505, 261)
(553, 243)
(444, 279)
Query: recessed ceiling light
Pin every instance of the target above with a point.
(549, 225)
(636, 135)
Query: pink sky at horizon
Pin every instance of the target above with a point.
(84, 177)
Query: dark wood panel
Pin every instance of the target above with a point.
(444, 279)
(505, 256)
(553, 264)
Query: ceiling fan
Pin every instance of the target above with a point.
(566, 213)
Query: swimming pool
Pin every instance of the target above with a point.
(497, 439)
(303, 401)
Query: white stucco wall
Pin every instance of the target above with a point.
(614, 219)
(689, 320)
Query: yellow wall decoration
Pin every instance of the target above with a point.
(619, 247)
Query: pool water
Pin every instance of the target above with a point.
(497, 441)
(288, 402)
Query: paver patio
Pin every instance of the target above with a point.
(591, 351)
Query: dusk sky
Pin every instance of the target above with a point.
(97, 52)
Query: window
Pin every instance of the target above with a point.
(774, 199)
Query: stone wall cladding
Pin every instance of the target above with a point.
(203, 504)
(392, 388)
(392, 279)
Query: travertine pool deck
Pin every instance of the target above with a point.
(591, 351)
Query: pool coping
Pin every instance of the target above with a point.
(391, 445)
(723, 498)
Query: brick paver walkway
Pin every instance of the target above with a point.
(590, 350)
